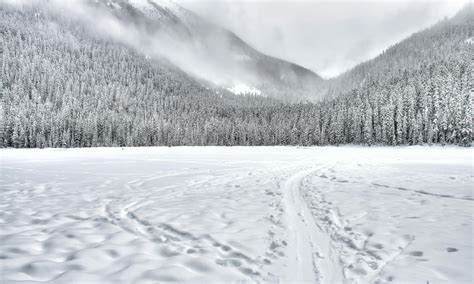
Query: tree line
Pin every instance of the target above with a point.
(64, 87)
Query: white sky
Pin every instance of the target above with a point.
(328, 37)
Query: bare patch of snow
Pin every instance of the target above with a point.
(242, 89)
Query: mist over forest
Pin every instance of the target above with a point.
(118, 73)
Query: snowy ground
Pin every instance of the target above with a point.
(269, 214)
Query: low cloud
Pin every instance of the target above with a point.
(327, 37)
(203, 58)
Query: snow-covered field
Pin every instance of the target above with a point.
(268, 214)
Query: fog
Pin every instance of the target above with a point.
(203, 58)
(328, 37)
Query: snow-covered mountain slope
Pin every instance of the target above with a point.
(211, 52)
(448, 40)
(150, 6)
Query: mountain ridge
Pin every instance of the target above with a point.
(401, 56)
(219, 46)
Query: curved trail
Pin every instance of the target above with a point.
(310, 256)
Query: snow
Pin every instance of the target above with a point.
(147, 7)
(167, 4)
(112, 4)
(142, 5)
(242, 89)
(241, 57)
(237, 214)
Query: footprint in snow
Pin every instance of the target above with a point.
(416, 253)
(378, 246)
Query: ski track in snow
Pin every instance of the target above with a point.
(253, 215)
(311, 256)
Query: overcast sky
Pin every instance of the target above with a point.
(328, 37)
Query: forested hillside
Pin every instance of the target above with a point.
(199, 47)
(442, 42)
(64, 87)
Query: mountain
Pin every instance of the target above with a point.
(444, 41)
(223, 58)
(80, 80)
